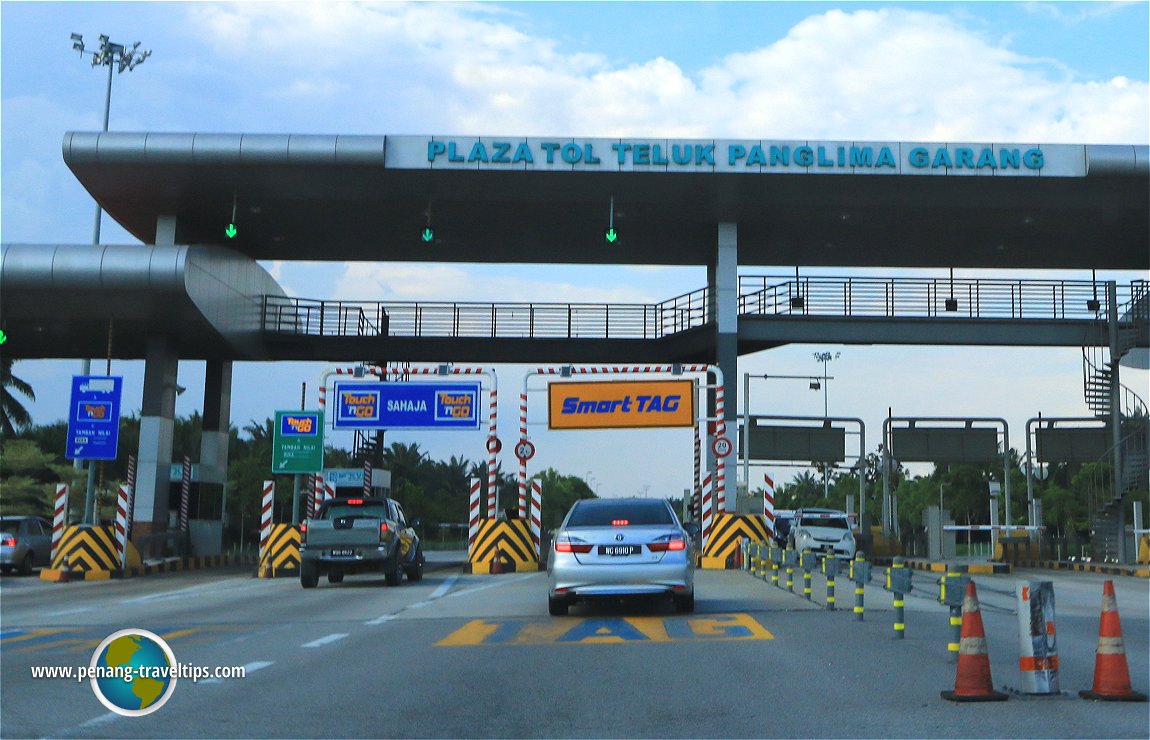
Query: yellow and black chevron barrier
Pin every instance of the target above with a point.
(503, 547)
(282, 556)
(726, 532)
(87, 552)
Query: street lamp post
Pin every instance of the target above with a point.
(825, 357)
(109, 54)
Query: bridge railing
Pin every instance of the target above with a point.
(910, 297)
(303, 316)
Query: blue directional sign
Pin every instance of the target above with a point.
(432, 405)
(94, 417)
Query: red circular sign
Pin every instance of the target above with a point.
(525, 450)
(494, 446)
(721, 447)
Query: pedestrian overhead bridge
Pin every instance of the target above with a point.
(773, 311)
(207, 206)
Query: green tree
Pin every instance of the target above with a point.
(560, 492)
(13, 415)
(28, 478)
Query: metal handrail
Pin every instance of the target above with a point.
(899, 297)
(912, 297)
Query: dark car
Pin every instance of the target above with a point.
(25, 542)
(360, 535)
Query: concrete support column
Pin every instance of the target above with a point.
(157, 428)
(1116, 411)
(214, 437)
(723, 284)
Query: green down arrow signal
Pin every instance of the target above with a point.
(231, 231)
(611, 235)
(428, 234)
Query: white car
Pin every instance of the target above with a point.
(614, 548)
(825, 531)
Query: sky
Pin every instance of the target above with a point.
(984, 72)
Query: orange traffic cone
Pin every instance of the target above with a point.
(1111, 672)
(972, 681)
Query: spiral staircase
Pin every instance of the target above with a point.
(1098, 365)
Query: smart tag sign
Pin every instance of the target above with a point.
(407, 405)
(94, 417)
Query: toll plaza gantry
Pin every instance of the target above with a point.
(207, 206)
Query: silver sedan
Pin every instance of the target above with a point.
(610, 548)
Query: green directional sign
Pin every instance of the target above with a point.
(427, 235)
(297, 445)
(231, 231)
(611, 235)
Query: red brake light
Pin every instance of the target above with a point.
(8, 541)
(355, 501)
(672, 543)
(383, 529)
(564, 544)
(620, 522)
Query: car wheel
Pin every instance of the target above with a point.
(26, 565)
(308, 575)
(685, 604)
(394, 572)
(6, 568)
(334, 577)
(557, 606)
(415, 572)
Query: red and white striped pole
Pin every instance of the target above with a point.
(522, 460)
(708, 513)
(720, 433)
(475, 485)
(185, 493)
(697, 486)
(59, 517)
(266, 516)
(536, 513)
(316, 495)
(131, 493)
(492, 449)
(769, 506)
(122, 526)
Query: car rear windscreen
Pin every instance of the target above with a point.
(369, 511)
(635, 514)
(831, 522)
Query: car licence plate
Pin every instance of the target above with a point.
(345, 552)
(617, 550)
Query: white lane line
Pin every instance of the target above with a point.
(381, 620)
(168, 594)
(325, 640)
(436, 594)
(249, 669)
(102, 719)
(501, 582)
(443, 588)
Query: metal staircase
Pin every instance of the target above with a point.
(1098, 389)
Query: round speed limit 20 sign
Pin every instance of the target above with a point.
(525, 450)
(721, 447)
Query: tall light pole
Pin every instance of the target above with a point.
(825, 357)
(109, 54)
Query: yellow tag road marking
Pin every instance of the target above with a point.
(608, 630)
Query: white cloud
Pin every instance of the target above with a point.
(867, 74)
(388, 281)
